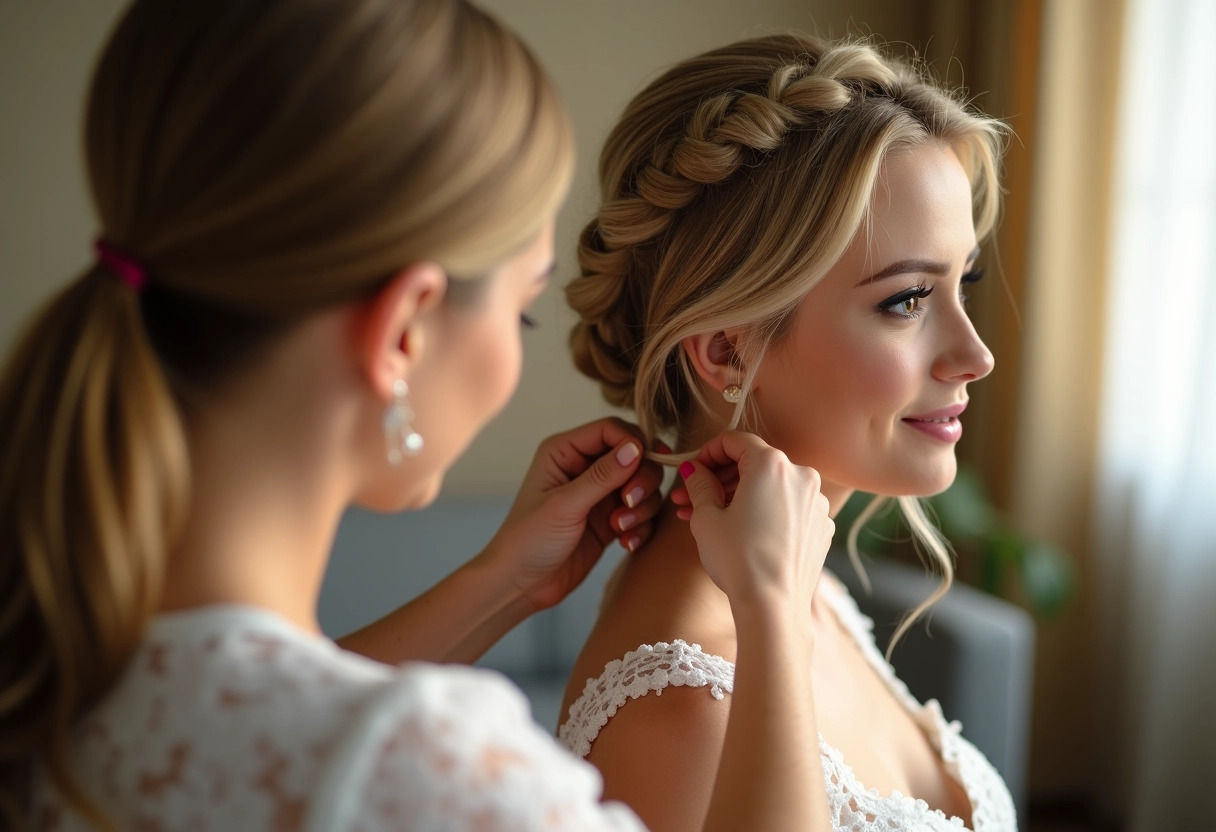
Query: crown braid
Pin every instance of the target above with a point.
(728, 130)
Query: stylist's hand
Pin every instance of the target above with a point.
(760, 521)
(585, 487)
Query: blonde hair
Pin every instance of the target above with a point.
(731, 185)
(263, 161)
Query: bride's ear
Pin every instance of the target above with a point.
(715, 358)
(392, 327)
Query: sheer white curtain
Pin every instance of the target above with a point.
(1156, 498)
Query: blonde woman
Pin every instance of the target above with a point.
(310, 277)
(788, 233)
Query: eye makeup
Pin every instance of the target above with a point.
(905, 304)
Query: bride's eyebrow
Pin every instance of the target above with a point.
(915, 266)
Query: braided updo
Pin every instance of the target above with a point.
(730, 186)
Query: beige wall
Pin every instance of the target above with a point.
(47, 48)
(601, 52)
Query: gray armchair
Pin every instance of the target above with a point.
(977, 658)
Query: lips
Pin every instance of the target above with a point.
(941, 424)
(950, 412)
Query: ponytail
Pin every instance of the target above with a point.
(336, 143)
(94, 479)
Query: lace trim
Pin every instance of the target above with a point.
(651, 667)
(858, 809)
(991, 804)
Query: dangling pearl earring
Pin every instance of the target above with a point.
(733, 393)
(399, 435)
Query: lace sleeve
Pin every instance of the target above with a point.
(650, 668)
(457, 749)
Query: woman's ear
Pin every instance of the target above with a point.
(714, 357)
(390, 329)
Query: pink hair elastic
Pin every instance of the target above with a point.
(129, 270)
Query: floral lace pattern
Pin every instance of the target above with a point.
(854, 807)
(651, 667)
(230, 718)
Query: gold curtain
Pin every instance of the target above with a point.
(1057, 411)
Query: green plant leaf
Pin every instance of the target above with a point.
(1048, 577)
(991, 570)
(963, 509)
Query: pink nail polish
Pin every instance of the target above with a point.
(632, 543)
(686, 469)
(634, 496)
(627, 521)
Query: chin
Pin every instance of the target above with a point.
(920, 480)
(932, 480)
(390, 500)
(430, 493)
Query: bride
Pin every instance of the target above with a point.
(788, 233)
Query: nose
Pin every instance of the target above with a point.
(965, 357)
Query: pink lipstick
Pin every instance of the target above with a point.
(942, 424)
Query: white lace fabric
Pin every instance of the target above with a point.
(651, 668)
(229, 718)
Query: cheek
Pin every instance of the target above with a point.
(472, 382)
(832, 398)
(493, 360)
(503, 365)
(878, 377)
(853, 378)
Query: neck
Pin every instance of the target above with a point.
(697, 435)
(671, 560)
(837, 496)
(268, 489)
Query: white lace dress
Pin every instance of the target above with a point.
(230, 718)
(652, 667)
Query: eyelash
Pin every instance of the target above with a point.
(528, 321)
(920, 292)
(972, 276)
(917, 293)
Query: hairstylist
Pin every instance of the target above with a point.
(321, 223)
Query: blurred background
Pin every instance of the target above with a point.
(1090, 490)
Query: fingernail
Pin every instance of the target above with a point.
(686, 469)
(632, 543)
(634, 497)
(627, 454)
(627, 521)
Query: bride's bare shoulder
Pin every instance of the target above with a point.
(646, 603)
